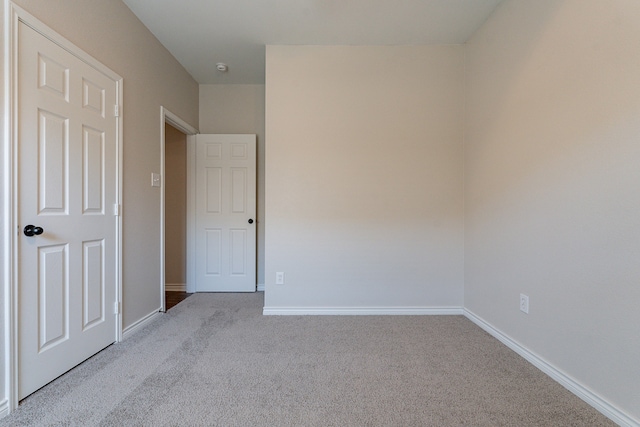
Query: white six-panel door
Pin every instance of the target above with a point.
(225, 213)
(67, 177)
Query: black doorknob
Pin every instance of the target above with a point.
(250, 221)
(33, 230)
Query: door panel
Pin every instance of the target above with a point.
(93, 284)
(53, 289)
(213, 252)
(213, 190)
(67, 176)
(53, 150)
(239, 253)
(93, 149)
(225, 213)
(238, 190)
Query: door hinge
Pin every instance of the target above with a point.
(116, 110)
(116, 209)
(116, 307)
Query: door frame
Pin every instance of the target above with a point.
(167, 117)
(13, 16)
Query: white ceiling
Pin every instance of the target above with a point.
(200, 33)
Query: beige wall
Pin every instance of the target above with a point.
(110, 32)
(239, 109)
(175, 182)
(364, 176)
(552, 184)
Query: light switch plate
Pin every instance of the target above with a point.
(155, 180)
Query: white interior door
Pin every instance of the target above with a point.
(225, 213)
(67, 178)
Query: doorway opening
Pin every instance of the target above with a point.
(176, 135)
(175, 216)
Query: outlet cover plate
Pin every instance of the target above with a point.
(524, 303)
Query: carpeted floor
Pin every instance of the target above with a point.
(214, 360)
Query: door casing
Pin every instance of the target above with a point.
(13, 15)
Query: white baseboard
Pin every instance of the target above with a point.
(4, 408)
(175, 287)
(130, 330)
(599, 403)
(260, 287)
(361, 311)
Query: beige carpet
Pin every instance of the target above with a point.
(214, 360)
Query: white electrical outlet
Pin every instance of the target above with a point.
(279, 278)
(524, 303)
